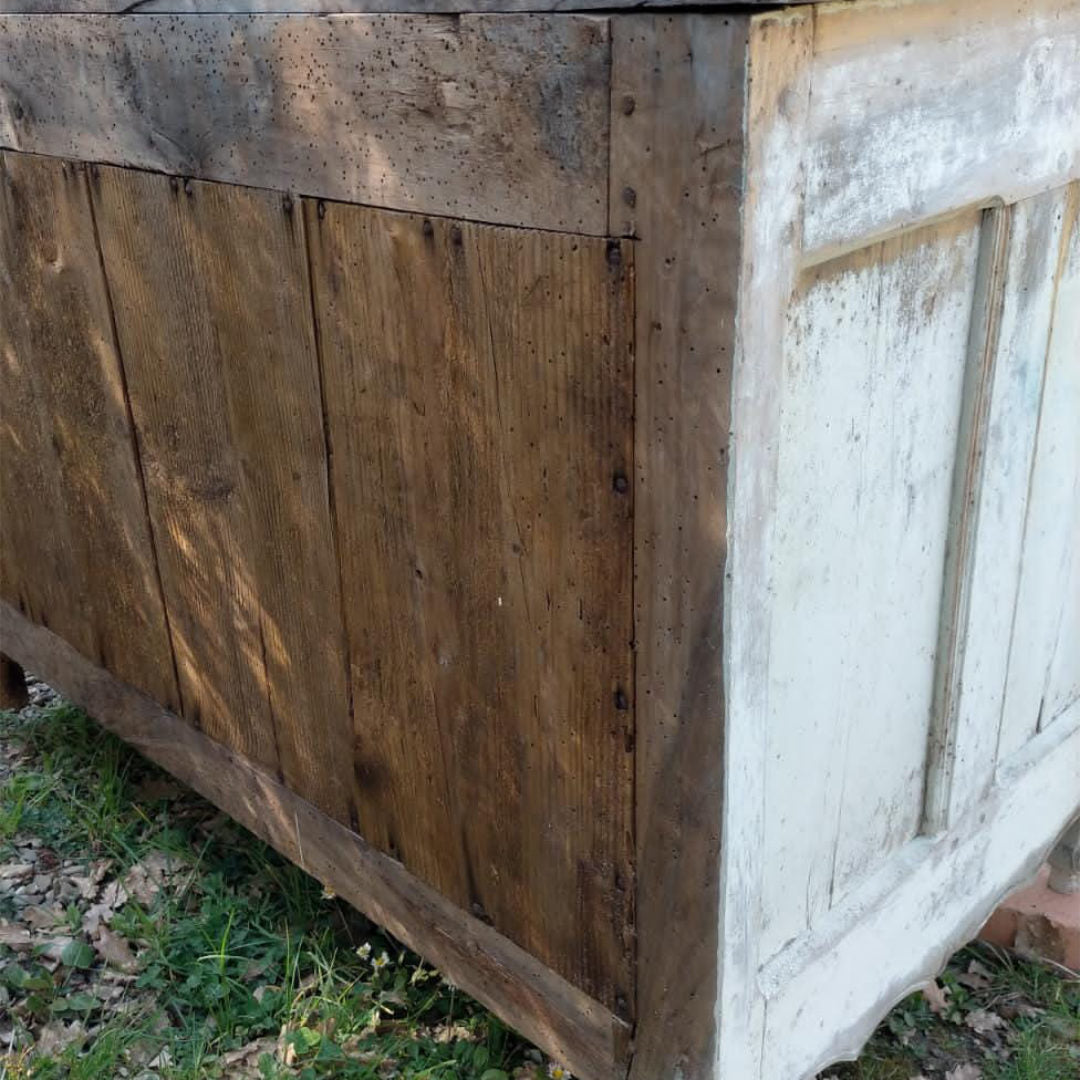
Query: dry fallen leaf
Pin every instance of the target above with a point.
(982, 1022)
(937, 997)
(964, 1072)
(43, 918)
(56, 1036)
(114, 950)
(148, 876)
(15, 936)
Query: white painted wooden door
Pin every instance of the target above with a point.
(903, 647)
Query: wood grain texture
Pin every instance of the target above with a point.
(778, 92)
(921, 107)
(213, 313)
(478, 389)
(1044, 659)
(677, 99)
(1063, 385)
(331, 7)
(570, 1026)
(976, 649)
(495, 118)
(76, 552)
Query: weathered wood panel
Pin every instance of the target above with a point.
(478, 390)
(777, 97)
(330, 7)
(1063, 358)
(827, 995)
(572, 1027)
(1044, 666)
(875, 354)
(920, 108)
(678, 84)
(498, 118)
(1017, 304)
(75, 549)
(213, 314)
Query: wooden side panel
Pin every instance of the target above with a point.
(895, 305)
(922, 107)
(678, 84)
(1016, 303)
(478, 390)
(1044, 662)
(777, 99)
(875, 356)
(213, 314)
(75, 550)
(497, 118)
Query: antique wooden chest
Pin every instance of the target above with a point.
(598, 488)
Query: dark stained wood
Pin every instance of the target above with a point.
(213, 314)
(569, 1025)
(75, 550)
(677, 97)
(478, 386)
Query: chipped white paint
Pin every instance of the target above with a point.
(874, 363)
(905, 425)
(921, 106)
(1044, 662)
(901, 926)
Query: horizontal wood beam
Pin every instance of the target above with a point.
(494, 118)
(117, 7)
(566, 1023)
(921, 109)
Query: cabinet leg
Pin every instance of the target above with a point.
(1065, 862)
(12, 684)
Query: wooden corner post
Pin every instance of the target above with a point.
(678, 92)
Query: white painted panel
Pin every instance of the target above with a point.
(1042, 658)
(1063, 686)
(875, 355)
(919, 108)
(1026, 300)
(828, 992)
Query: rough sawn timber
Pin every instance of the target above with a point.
(213, 315)
(332, 7)
(478, 387)
(677, 100)
(75, 545)
(498, 118)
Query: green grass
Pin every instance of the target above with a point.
(240, 948)
(244, 968)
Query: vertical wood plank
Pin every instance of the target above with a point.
(1045, 602)
(213, 313)
(76, 549)
(975, 650)
(778, 94)
(478, 400)
(677, 101)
